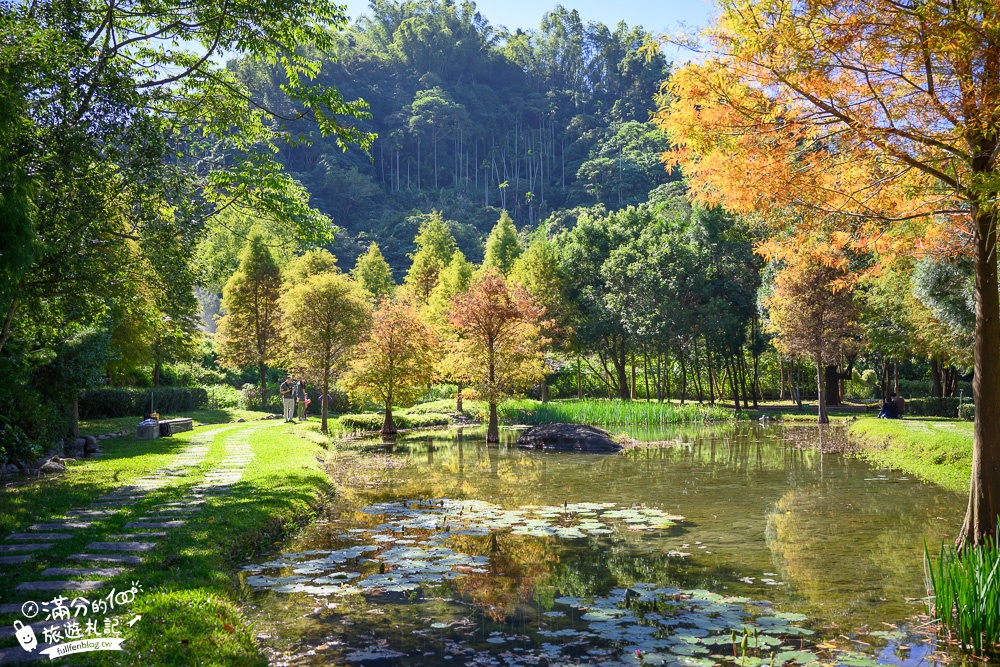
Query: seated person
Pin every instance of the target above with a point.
(888, 410)
(900, 406)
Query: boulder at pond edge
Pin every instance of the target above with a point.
(568, 438)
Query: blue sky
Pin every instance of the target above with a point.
(657, 16)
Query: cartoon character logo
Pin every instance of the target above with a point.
(25, 636)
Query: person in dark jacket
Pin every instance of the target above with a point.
(888, 409)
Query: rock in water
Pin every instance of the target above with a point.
(568, 438)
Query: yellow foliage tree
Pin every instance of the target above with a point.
(396, 359)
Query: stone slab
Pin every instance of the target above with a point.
(17, 655)
(90, 513)
(122, 546)
(88, 585)
(106, 558)
(82, 571)
(60, 525)
(15, 560)
(147, 431)
(38, 626)
(155, 524)
(14, 548)
(136, 536)
(45, 537)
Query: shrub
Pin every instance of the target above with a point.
(438, 392)
(967, 411)
(372, 421)
(861, 385)
(933, 407)
(135, 402)
(966, 587)
(187, 374)
(222, 396)
(15, 444)
(250, 398)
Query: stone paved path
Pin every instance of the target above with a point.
(112, 556)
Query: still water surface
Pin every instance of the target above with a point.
(443, 551)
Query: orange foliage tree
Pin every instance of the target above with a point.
(876, 120)
(811, 319)
(397, 359)
(499, 345)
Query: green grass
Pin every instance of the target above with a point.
(609, 413)
(966, 586)
(216, 416)
(932, 449)
(190, 604)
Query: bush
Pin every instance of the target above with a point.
(933, 407)
(15, 444)
(861, 385)
(372, 421)
(250, 398)
(967, 411)
(437, 392)
(187, 374)
(135, 402)
(222, 396)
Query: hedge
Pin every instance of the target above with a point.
(135, 402)
(372, 421)
(933, 407)
(967, 411)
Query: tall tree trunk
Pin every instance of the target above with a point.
(832, 381)
(680, 357)
(388, 423)
(731, 362)
(579, 379)
(984, 490)
(325, 403)
(545, 391)
(493, 430)
(936, 388)
(262, 374)
(645, 371)
(632, 391)
(782, 372)
(823, 417)
(458, 398)
(620, 361)
(711, 374)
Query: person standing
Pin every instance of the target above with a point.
(287, 390)
(300, 398)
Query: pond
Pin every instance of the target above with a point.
(736, 544)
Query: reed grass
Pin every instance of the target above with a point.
(966, 593)
(609, 413)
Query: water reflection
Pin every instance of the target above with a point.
(770, 514)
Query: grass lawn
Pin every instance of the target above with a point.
(933, 449)
(189, 604)
(116, 424)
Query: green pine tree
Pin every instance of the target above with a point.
(502, 246)
(374, 274)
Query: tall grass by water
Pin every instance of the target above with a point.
(609, 413)
(966, 586)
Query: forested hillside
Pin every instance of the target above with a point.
(472, 120)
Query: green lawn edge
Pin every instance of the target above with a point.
(190, 605)
(931, 449)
